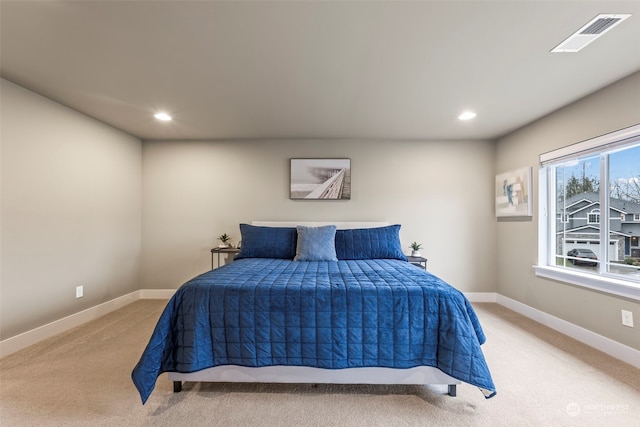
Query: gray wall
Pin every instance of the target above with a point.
(441, 193)
(615, 107)
(70, 212)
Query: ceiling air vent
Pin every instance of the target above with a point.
(590, 31)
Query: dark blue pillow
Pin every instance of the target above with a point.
(267, 242)
(370, 243)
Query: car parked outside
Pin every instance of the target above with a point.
(580, 256)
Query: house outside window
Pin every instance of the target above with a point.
(587, 190)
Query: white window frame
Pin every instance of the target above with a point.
(636, 217)
(602, 280)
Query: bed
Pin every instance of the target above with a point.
(316, 303)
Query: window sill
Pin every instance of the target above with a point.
(609, 285)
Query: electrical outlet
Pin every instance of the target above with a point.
(627, 318)
(79, 291)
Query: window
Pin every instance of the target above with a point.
(595, 182)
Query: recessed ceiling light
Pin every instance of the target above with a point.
(162, 116)
(467, 115)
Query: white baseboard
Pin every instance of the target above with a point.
(156, 293)
(18, 342)
(480, 296)
(604, 344)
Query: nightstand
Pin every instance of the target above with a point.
(220, 251)
(418, 261)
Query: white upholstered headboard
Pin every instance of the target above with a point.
(342, 225)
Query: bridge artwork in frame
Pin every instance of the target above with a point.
(320, 179)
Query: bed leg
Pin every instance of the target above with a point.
(452, 390)
(177, 386)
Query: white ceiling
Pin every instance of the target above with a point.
(313, 69)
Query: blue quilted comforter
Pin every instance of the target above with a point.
(345, 314)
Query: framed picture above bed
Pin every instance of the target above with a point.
(320, 179)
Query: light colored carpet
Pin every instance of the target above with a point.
(82, 377)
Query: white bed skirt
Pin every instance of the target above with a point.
(304, 375)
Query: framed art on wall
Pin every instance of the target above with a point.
(513, 193)
(320, 179)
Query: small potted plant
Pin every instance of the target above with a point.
(415, 248)
(225, 239)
